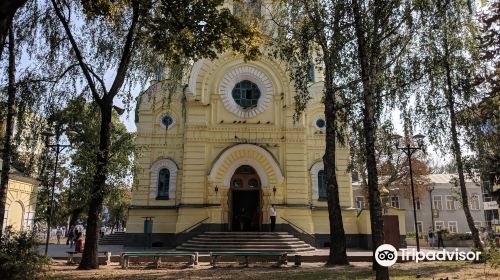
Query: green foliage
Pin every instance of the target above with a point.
(83, 120)
(19, 259)
(118, 203)
(459, 236)
(201, 31)
(491, 254)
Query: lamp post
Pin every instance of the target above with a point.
(430, 189)
(409, 148)
(58, 149)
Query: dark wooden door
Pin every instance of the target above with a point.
(245, 180)
(391, 230)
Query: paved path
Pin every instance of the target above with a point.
(60, 250)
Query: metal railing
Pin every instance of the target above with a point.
(300, 229)
(194, 225)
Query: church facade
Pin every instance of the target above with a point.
(227, 148)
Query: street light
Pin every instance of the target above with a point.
(430, 189)
(409, 148)
(59, 148)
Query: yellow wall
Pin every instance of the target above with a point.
(208, 139)
(21, 202)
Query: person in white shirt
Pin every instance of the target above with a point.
(272, 215)
(103, 230)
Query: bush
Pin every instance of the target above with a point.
(458, 236)
(412, 235)
(491, 255)
(19, 259)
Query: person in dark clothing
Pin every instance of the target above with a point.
(440, 238)
(71, 236)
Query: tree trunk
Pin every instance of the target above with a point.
(450, 104)
(368, 47)
(337, 255)
(8, 9)
(99, 191)
(9, 131)
(376, 219)
(74, 215)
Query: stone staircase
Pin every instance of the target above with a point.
(245, 241)
(116, 238)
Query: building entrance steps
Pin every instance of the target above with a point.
(245, 241)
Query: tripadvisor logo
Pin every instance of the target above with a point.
(386, 255)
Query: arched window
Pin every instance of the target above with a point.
(163, 183)
(163, 179)
(321, 185)
(318, 180)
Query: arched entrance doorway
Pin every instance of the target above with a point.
(245, 200)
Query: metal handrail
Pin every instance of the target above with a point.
(303, 231)
(194, 225)
(359, 213)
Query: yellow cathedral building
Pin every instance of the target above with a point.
(227, 148)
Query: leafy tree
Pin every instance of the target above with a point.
(452, 54)
(118, 203)
(82, 118)
(483, 118)
(383, 34)
(9, 131)
(392, 165)
(8, 9)
(115, 38)
(305, 32)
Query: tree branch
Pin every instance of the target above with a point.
(127, 52)
(78, 53)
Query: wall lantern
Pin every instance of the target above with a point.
(216, 189)
(274, 190)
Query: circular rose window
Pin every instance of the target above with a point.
(246, 94)
(167, 121)
(246, 91)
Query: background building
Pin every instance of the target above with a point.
(21, 201)
(446, 210)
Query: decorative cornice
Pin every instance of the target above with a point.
(204, 205)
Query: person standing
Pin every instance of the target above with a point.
(59, 234)
(71, 236)
(272, 215)
(440, 238)
(79, 243)
(103, 230)
(430, 237)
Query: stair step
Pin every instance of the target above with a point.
(193, 241)
(248, 236)
(245, 241)
(247, 246)
(245, 232)
(116, 238)
(289, 250)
